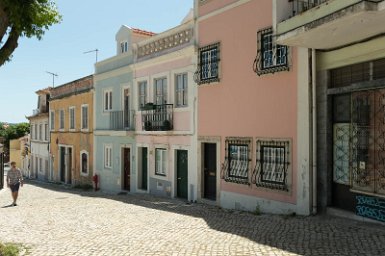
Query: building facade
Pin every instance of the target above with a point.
(165, 100)
(114, 122)
(253, 115)
(71, 127)
(39, 132)
(346, 41)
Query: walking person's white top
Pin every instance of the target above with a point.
(14, 176)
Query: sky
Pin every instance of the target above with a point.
(86, 25)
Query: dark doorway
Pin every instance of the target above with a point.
(182, 173)
(62, 164)
(210, 170)
(126, 169)
(69, 166)
(144, 168)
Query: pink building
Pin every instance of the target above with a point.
(165, 99)
(253, 118)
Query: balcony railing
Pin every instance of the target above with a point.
(122, 120)
(300, 6)
(158, 117)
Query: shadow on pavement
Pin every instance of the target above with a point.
(319, 235)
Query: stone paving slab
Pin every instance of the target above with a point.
(54, 220)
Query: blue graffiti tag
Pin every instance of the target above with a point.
(371, 207)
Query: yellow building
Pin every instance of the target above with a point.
(14, 152)
(71, 126)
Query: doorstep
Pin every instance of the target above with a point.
(350, 215)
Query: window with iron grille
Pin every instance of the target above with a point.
(271, 57)
(272, 165)
(160, 91)
(181, 90)
(237, 161)
(142, 91)
(208, 64)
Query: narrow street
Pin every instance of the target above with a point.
(54, 220)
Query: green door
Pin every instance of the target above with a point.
(181, 173)
(144, 168)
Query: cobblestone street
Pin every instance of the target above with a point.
(53, 220)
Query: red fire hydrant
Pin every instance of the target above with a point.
(95, 179)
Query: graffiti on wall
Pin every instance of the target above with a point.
(371, 207)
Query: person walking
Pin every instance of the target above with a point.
(14, 181)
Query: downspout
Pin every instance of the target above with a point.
(314, 129)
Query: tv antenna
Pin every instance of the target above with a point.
(96, 54)
(53, 77)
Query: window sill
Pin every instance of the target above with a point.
(272, 70)
(161, 175)
(84, 174)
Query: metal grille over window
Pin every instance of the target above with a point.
(271, 57)
(237, 161)
(271, 170)
(208, 64)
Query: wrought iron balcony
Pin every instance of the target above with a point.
(158, 117)
(300, 6)
(122, 120)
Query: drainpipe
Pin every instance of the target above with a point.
(314, 129)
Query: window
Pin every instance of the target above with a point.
(237, 160)
(142, 94)
(61, 121)
(35, 131)
(123, 47)
(208, 64)
(107, 156)
(32, 131)
(52, 120)
(272, 164)
(160, 91)
(41, 165)
(160, 161)
(46, 132)
(84, 117)
(72, 118)
(181, 90)
(107, 100)
(271, 57)
(40, 132)
(84, 162)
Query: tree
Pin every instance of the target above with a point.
(24, 18)
(13, 131)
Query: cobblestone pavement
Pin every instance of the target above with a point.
(53, 220)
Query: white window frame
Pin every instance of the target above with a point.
(142, 96)
(123, 46)
(61, 120)
(107, 156)
(46, 132)
(161, 170)
(107, 104)
(82, 117)
(183, 91)
(164, 93)
(81, 163)
(52, 120)
(72, 110)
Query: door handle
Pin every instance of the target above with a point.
(179, 178)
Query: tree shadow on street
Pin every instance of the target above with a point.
(313, 235)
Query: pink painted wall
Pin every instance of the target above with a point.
(212, 5)
(243, 104)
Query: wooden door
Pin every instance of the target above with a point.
(210, 171)
(126, 169)
(182, 173)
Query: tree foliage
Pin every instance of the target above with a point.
(13, 131)
(24, 18)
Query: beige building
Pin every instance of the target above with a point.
(15, 152)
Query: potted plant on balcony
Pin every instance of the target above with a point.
(148, 106)
(147, 126)
(166, 125)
